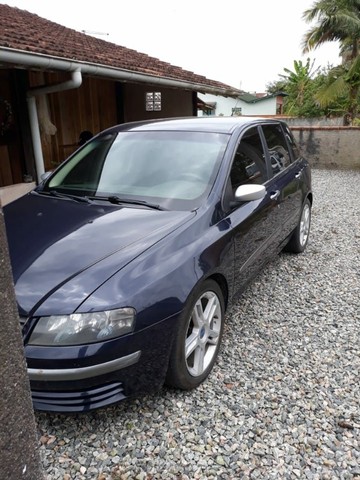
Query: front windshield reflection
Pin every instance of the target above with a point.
(173, 169)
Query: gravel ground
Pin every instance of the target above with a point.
(283, 401)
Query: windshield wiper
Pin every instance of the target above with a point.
(119, 200)
(68, 196)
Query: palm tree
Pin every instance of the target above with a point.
(337, 20)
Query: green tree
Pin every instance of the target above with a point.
(337, 20)
(302, 86)
(299, 87)
(276, 86)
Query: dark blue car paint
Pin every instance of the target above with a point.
(69, 282)
(76, 257)
(147, 375)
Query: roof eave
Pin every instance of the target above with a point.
(25, 59)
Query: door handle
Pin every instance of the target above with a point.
(274, 195)
(298, 175)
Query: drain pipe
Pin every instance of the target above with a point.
(75, 82)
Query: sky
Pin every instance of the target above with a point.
(244, 44)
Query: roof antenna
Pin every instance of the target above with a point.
(91, 32)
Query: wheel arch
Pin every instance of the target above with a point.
(222, 282)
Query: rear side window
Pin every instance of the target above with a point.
(278, 148)
(292, 142)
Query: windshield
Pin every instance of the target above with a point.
(173, 169)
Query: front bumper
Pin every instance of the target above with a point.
(86, 377)
(71, 374)
(83, 399)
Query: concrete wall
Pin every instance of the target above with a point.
(314, 122)
(19, 454)
(329, 147)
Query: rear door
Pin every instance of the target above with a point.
(285, 173)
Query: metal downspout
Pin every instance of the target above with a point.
(35, 136)
(75, 82)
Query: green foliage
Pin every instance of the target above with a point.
(329, 92)
(276, 86)
(308, 90)
(337, 20)
(335, 90)
(299, 87)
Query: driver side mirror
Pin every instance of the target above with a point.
(45, 175)
(246, 193)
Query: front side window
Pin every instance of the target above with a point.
(249, 161)
(174, 169)
(278, 149)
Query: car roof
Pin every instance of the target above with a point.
(201, 124)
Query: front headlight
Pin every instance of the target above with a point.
(80, 328)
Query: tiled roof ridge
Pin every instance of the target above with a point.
(26, 31)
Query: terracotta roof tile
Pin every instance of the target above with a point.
(22, 30)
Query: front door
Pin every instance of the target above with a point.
(254, 222)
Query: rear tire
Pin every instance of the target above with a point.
(300, 236)
(198, 337)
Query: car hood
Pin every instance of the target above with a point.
(62, 250)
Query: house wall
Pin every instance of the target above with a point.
(63, 115)
(264, 107)
(224, 105)
(174, 102)
(12, 161)
(96, 105)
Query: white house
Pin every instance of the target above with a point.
(245, 104)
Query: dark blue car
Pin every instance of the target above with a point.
(127, 256)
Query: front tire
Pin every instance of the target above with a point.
(198, 337)
(300, 237)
